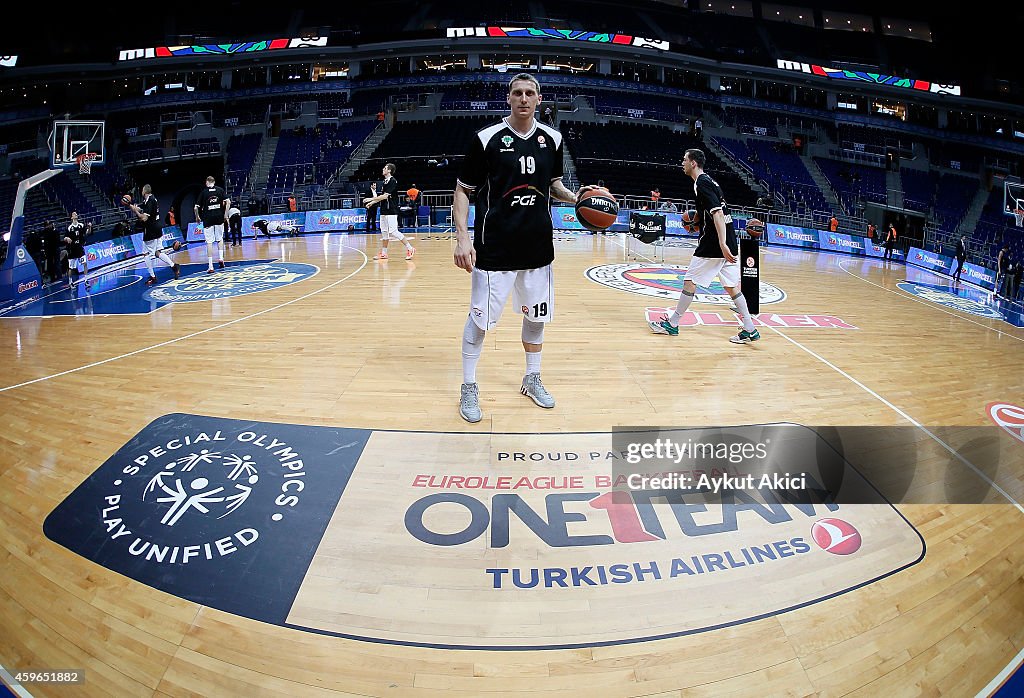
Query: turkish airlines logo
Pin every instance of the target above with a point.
(836, 536)
(1009, 417)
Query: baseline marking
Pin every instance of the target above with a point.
(928, 304)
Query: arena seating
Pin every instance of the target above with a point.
(635, 158)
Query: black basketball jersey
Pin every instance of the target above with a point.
(211, 205)
(511, 175)
(76, 231)
(151, 228)
(710, 199)
(389, 206)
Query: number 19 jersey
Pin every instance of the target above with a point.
(511, 174)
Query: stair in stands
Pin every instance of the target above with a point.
(973, 215)
(363, 153)
(894, 188)
(264, 161)
(822, 181)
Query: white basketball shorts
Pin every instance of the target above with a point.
(214, 233)
(703, 270)
(153, 246)
(535, 295)
(389, 227)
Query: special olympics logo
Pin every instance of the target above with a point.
(836, 536)
(184, 499)
(1010, 418)
(666, 281)
(951, 300)
(182, 487)
(232, 281)
(750, 262)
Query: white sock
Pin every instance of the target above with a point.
(164, 258)
(220, 249)
(532, 362)
(741, 305)
(684, 302)
(209, 254)
(472, 346)
(149, 264)
(408, 245)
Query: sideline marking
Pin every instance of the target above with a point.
(194, 334)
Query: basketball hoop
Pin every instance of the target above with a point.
(1019, 216)
(85, 162)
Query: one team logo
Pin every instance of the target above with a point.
(666, 281)
(506, 141)
(1010, 418)
(937, 294)
(230, 282)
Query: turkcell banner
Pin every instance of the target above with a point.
(109, 251)
(195, 233)
(838, 242)
(930, 260)
(333, 219)
(978, 275)
(814, 239)
(793, 236)
(172, 234)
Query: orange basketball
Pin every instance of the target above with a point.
(690, 223)
(597, 210)
(755, 227)
(126, 199)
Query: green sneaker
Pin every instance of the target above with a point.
(745, 337)
(663, 326)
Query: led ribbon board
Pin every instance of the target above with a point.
(205, 50)
(873, 78)
(565, 34)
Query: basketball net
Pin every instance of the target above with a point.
(1019, 216)
(85, 162)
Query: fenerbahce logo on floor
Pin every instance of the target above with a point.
(666, 281)
(232, 281)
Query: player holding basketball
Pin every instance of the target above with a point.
(513, 167)
(715, 254)
(148, 215)
(387, 199)
(211, 209)
(75, 240)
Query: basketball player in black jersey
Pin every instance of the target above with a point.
(514, 167)
(715, 254)
(211, 210)
(75, 240)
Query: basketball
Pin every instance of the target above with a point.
(126, 199)
(690, 224)
(755, 227)
(597, 210)
(176, 246)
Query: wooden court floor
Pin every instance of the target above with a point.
(377, 346)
